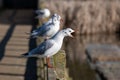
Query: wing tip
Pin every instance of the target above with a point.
(25, 55)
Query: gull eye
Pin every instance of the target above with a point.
(70, 31)
(65, 32)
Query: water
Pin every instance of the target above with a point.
(77, 64)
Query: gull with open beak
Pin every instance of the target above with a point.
(50, 46)
(48, 29)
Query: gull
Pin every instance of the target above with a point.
(43, 13)
(50, 46)
(53, 17)
(48, 29)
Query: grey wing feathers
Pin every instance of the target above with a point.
(41, 31)
(42, 48)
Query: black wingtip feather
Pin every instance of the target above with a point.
(25, 54)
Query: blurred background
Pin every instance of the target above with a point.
(95, 22)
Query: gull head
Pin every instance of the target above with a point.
(56, 18)
(68, 32)
(47, 12)
(43, 13)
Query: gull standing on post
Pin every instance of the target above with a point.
(49, 28)
(43, 13)
(50, 46)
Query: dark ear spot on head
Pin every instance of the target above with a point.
(65, 32)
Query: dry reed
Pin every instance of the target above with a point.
(88, 17)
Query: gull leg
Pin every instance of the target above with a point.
(48, 63)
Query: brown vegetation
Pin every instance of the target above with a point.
(88, 16)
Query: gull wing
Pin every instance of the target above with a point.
(40, 50)
(41, 31)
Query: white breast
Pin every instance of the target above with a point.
(54, 29)
(53, 50)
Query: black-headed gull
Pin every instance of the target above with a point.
(43, 13)
(50, 46)
(48, 29)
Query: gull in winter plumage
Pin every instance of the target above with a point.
(48, 29)
(43, 13)
(50, 46)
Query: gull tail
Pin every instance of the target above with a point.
(28, 33)
(25, 55)
(31, 37)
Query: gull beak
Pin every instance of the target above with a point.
(72, 34)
